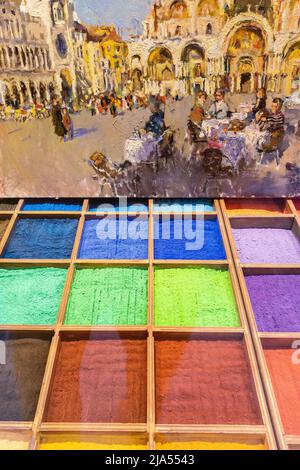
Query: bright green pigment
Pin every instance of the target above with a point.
(108, 296)
(30, 296)
(194, 297)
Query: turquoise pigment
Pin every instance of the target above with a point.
(199, 239)
(181, 205)
(31, 296)
(108, 296)
(115, 238)
(42, 239)
(118, 205)
(50, 205)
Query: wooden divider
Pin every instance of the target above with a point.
(260, 340)
(151, 429)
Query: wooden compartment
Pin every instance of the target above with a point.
(255, 207)
(216, 439)
(15, 439)
(91, 440)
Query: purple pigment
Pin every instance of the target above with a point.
(275, 302)
(267, 245)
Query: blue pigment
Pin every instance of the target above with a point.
(42, 239)
(179, 205)
(113, 205)
(62, 205)
(107, 238)
(168, 247)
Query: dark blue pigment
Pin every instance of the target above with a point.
(63, 205)
(99, 244)
(177, 205)
(211, 246)
(113, 205)
(42, 239)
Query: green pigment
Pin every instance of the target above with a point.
(108, 296)
(194, 297)
(30, 296)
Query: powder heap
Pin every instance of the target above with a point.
(108, 296)
(100, 381)
(8, 204)
(180, 205)
(275, 301)
(207, 445)
(204, 237)
(254, 206)
(194, 297)
(204, 382)
(63, 205)
(285, 376)
(267, 245)
(13, 444)
(128, 239)
(21, 377)
(297, 204)
(118, 205)
(3, 226)
(90, 442)
(30, 296)
(42, 239)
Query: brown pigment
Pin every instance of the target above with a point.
(204, 382)
(100, 381)
(21, 377)
(3, 225)
(8, 204)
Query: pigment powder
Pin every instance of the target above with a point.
(194, 297)
(8, 204)
(3, 226)
(207, 445)
(297, 204)
(114, 238)
(204, 382)
(50, 205)
(10, 440)
(254, 206)
(108, 296)
(191, 239)
(285, 376)
(21, 377)
(30, 296)
(275, 301)
(100, 381)
(183, 205)
(118, 205)
(267, 245)
(91, 442)
(42, 239)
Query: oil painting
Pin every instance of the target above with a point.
(149, 98)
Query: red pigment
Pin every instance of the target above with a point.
(255, 205)
(204, 382)
(297, 204)
(285, 376)
(100, 381)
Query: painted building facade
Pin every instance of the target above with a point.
(241, 45)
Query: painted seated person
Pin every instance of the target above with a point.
(275, 126)
(219, 108)
(156, 122)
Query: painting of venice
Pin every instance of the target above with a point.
(149, 98)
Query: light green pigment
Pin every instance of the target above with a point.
(194, 297)
(108, 296)
(31, 296)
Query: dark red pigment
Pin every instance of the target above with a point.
(204, 382)
(100, 381)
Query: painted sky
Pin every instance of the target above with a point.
(126, 14)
